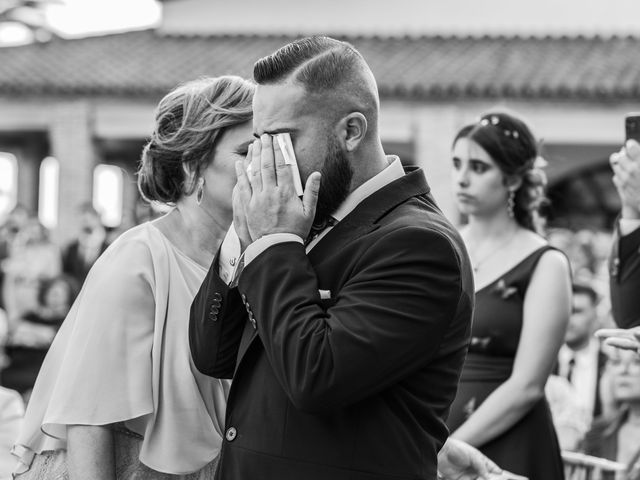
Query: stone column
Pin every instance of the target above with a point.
(71, 135)
(434, 128)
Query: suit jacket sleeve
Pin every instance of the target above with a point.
(216, 322)
(624, 279)
(388, 320)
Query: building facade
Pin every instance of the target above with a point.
(90, 101)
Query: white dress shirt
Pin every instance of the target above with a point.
(584, 377)
(628, 225)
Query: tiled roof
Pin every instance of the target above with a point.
(435, 68)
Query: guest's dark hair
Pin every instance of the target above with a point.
(189, 120)
(512, 146)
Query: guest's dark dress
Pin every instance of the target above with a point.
(530, 447)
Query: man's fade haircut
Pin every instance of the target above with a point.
(322, 64)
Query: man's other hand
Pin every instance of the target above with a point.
(458, 460)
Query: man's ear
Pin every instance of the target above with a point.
(352, 130)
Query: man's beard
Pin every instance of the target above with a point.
(335, 183)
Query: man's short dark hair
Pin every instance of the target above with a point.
(585, 289)
(319, 63)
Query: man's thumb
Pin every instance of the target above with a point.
(310, 196)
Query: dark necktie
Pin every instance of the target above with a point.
(572, 364)
(318, 228)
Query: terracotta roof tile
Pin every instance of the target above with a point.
(150, 63)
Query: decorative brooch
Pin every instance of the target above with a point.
(469, 407)
(504, 290)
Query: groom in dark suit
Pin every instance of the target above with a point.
(345, 341)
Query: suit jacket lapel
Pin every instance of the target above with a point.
(248, 335)
(363, 218)
(360, 221)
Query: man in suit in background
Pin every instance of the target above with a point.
(580, 359)
(345, 342)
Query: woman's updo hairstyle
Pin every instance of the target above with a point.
(512, 146)
(188, 122)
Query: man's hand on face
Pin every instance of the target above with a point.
(239, 215)
(626, 169)
(266, 196)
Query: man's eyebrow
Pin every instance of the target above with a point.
(276, 130)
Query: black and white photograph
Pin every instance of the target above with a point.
(340, 240)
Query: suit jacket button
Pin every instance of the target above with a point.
(231, 434)
(244, 298)
(217, 297)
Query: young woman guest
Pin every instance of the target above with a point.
(523, 299)
(118, 396)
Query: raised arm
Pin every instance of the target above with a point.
(625, 258)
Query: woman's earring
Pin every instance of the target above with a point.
(200, 191)
(511, 203)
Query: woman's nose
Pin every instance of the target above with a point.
(463, 177)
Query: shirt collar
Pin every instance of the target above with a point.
(587, 352)
(375, 183)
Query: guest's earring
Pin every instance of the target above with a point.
(511, 203)
(200, 191)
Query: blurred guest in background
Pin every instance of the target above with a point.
(118, 396)
(15, 220)
(523, 299)
(32, 335)
(80, 254)
(581, 360)
(617, 436)
(33, 259)
(11, 413)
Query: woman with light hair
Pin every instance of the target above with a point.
(118, 396)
